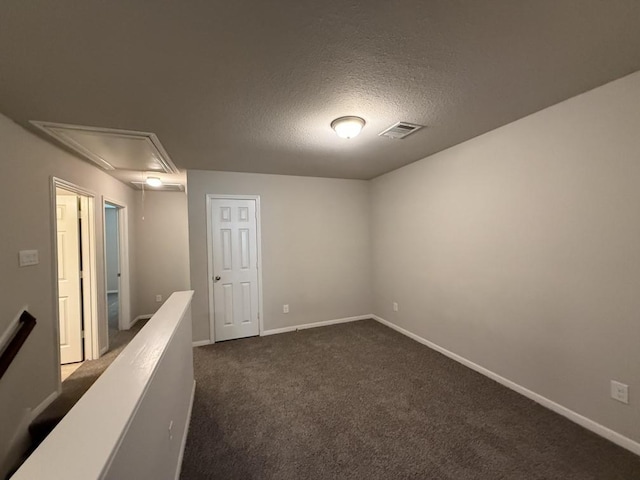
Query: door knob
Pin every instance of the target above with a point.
(217, 278)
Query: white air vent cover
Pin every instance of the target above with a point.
(113, 149)
(400, 130)
(165, 187)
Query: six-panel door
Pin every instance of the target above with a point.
(69, 303)
(235, 268)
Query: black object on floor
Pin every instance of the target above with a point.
(361, 401)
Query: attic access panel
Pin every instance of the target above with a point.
(113, 149)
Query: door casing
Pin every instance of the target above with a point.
(210, 282)
(124, 294)
(89, 284)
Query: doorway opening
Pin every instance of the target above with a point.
(116, 269)
(112, 254)
(75, 276)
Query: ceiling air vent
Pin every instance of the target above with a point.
(400, 130)
(166, 187)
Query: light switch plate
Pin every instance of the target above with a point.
(28, 258)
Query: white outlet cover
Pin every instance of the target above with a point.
(620, 391)
(285, 308)
(395, 306)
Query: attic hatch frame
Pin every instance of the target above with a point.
(150, 138)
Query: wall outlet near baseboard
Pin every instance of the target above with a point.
(620, 391)
(158, 298)
(395, 306)
(285, 308)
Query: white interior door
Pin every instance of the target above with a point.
(69, 303)
(235, 268)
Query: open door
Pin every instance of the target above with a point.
(69, 281)
(75, 265)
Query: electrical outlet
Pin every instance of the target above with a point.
(285, 308)
(158, 298)
(395, 306)
(620, 391)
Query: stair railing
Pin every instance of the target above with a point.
(13, 339)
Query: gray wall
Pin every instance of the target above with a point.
(162, 247)
(315, 245)
(111, 247)
(520, 251)
(27, 164)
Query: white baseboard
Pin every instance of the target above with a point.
(575, 417)
(201, 343)
(324, 323)
(104, 349)
(183, 442)
(44, 404)
(140, 317)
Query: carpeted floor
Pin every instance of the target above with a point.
(79, 382)
(361, 401)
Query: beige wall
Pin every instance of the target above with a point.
(315, 245)
(27, 164)
(520, 250)
(162, 247)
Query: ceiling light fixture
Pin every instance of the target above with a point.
(348, 127)
(154, 182)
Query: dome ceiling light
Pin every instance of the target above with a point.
(154, 182)
(348, 127)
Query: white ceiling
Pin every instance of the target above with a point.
(253, 86)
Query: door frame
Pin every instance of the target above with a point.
(209, 198)
(89, 291)
(124, 294)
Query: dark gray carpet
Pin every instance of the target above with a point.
(361, 401)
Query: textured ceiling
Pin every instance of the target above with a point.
(253, 85)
